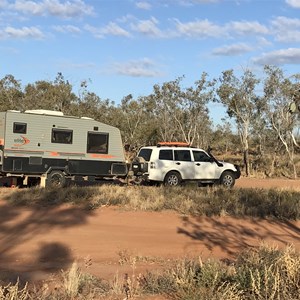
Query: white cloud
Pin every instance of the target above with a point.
(30, 7)
(67, 29)
(137, 68)
(279, 57)
(293, 3)
(286, 29)
(23, 33)
(147, 27)
(67, 9)
(199, 29)
(111, 29)
(114, 29)
(247, 28)
(232, 50)
(143, 5)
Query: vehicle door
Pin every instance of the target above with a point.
(184, 164)
(163, 164)
(205, 167)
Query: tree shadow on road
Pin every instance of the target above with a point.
(231, 235)
(21, 224)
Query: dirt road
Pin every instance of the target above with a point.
(35, 242)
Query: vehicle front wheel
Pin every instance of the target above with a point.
(172, 179)
(227, 179)
(56, 179)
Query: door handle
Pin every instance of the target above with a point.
(178, 163)
(198, 164)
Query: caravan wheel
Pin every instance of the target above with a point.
(56, 179)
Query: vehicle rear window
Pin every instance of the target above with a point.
(166, 154)
(145, 154)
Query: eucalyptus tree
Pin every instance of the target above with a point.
(279, 92)
(11, 94)
(223, 137)
(238, 95)
(52, 95)
(136, 122)
(182, 114)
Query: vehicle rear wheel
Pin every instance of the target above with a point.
(56, 179)
(227, 179)
(173, 179)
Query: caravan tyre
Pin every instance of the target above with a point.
(56, 179)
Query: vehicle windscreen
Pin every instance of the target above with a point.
(145, 154)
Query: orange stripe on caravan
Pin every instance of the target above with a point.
(101, 156)
(54, 154)
(2, 142)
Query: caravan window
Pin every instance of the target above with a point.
(62, 136)
(97, 142)
(20, 127)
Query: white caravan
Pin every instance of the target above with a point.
(51, 147)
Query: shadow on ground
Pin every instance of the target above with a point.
(232, 235)
(19, 224)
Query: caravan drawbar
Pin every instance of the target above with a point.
(52, 147)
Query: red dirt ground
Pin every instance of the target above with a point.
(35, 243)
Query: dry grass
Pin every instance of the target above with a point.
(14, 292)
(275, 203)
(262, 273)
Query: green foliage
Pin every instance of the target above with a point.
(172, 112)
(56, 95)
(10, 93)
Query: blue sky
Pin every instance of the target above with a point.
(126, 46)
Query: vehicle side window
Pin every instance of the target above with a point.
(62, 136)
(145, 154)
(201, 156)
(182, 155)
(20, 127)
(97, 142)
(166, 155)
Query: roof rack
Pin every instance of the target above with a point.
(173, 144)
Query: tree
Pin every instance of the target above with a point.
(278, 93)
(137, 122)
(11, 94)
(223, 137)
(56, 95)
(182, 113)
(238, 96)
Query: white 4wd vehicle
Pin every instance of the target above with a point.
(174, 163)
